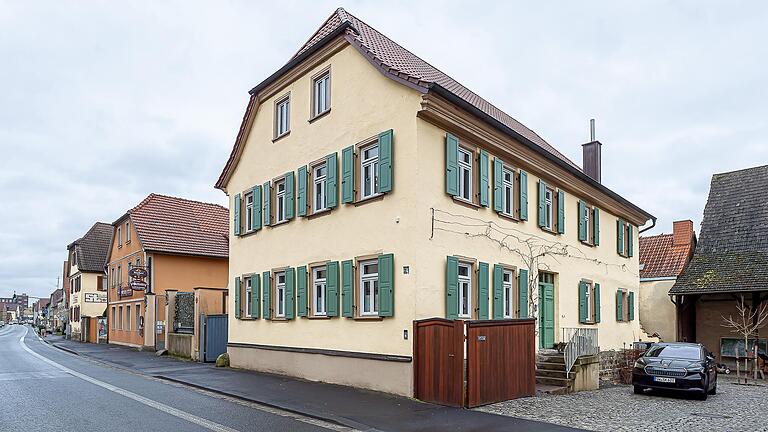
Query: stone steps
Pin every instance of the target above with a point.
(551, 374)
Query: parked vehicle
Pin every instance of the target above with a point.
(676, 366)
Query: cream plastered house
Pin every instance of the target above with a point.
(368, 189)
(87, 294)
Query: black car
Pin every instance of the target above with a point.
(677, 366)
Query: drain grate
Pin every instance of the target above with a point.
(711, 415)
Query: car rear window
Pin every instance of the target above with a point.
(675, 351)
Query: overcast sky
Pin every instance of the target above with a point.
(105, 102)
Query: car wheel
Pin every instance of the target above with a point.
(638, 389)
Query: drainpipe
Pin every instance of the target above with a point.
(653, 224)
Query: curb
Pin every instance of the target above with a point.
(60, 347)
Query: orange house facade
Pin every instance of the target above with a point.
(181, 244)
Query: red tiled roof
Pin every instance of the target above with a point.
(180, 226)
(659, 257)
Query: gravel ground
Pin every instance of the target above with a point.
(734, 408)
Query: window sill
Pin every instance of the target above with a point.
(248, 233)
(279, 320)
(276, 224)
(279, 137)
(319, 213)
(376, 197)
(466, 203)
(507, 216)
(586, 243)
(550, 231)
(318, 317)
(368, 318)
(248, 319)
(318, 116)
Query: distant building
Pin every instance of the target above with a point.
(21, 300)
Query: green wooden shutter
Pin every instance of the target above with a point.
(451, 165)
(498, 185)
(498, 291)
(597, 302)
(255, 295)
(452, 288)
(301, 192)
(266, 290)
(619, 237)
(561, 212)
(237, 297)
(289, 195)
(630, 240)
(631, 306)
(301, 291)
(542, 204)
(256, 215)
(347, 282)
(290, 293)
(596, 225)
(267, 187)
(482, 291)
(332, 289)
(386, 285)
(523, 195)
(522, 293)
(385, 162)
(331, 181)
(237, 222)
(484, 178)
(582, 222)
(619, 307)
(583, 302)
(348, 175)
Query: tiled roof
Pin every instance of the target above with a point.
(732, 252)
(660, 258)
(180, 226)
(92, 248)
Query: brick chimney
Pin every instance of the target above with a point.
(591, 154)
(682, 233)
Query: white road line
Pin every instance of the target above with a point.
(130, 395)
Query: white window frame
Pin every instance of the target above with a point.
(371, 164)
(318, 187)
(319, 286)
(249, 203)
(280, 295)
(282, 116)
(280, 201)
(119, 237)
(508, 293)
(588, 301)
(508, 191)
(321, 94)
(369, 281)
(248, 296)
(465, 291)
(587, 224)
(127, 232)
(465, 167)
(549, 195)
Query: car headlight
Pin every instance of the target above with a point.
(639, 364)
(694, 367)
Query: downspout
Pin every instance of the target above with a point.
(653, 224)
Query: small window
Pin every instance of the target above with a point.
(249, 211)
(127, 232)
(319, 174)
(280, 295)
(114, 323)
(465, 174)
(549, 208)
(120, 318)
(369, 170)
(280, 201)
(508, 185)
(321, 94)
(128, 318)
(119, 237)
(590, 302)
(369, 288)
(248, 296)
(138, 262)
(119, 276)
(318, 291)
(282, 116)
(138, 317)
(465, 290)
(508, 288)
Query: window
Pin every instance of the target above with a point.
(114, 323)
(112, 277)
(138, 317)
(282, 116)
(548, 208)
(508, 187)
(120, 318)
(280, 295)
(508, 284)
(589, 302)
(127, 232)
(369, 288)
(71, 286)
(625, 240)
(128, 318)
(321, 94)
(319, 173)
(369, 170)
(138, 262)
(248, 296)
(465, 290)
(249, 211)
(119, 238)
(589, 299)
(280, 201)
(318, 291)
(465, 174)
(119, 276)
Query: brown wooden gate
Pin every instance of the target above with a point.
(501, 360)
(438, 347)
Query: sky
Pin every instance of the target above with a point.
(105, 102)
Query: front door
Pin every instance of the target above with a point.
(546, 311)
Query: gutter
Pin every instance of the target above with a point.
(653, 224)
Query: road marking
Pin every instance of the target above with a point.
(130, 395)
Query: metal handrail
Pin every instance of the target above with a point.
(579, 342)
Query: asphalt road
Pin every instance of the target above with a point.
(45, 389)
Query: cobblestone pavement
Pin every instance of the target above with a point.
(617, 408)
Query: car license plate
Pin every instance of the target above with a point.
(664, 379)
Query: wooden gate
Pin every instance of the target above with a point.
(501, 360)
(438, 347)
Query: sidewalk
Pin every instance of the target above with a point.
(355, 408)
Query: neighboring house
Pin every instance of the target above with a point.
(730, 262)
(58, 311)
(87, 294)
(40, 311)
(368, 189)
(20, 299)
(182, 244)
(662, 258)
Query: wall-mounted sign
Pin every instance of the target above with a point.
(95, 297)
(138, 278)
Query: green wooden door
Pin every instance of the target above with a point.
(546, 315)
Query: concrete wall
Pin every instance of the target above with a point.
(180, 344)
(657, 312)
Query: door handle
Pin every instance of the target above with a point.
(451, 355)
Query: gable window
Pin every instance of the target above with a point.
(319, 174)
(369, 287)
(369, 170)
(321, 94)
(548, 208)
(465, 174)
(465, 290)
(280, 294)
(119, 237)
(318, 291)
(282, 116)
(127, 232)
(508, 279)
(249, 211)
(280, 201)
(508, 185)
(248, 296)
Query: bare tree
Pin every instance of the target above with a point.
(748, 322)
